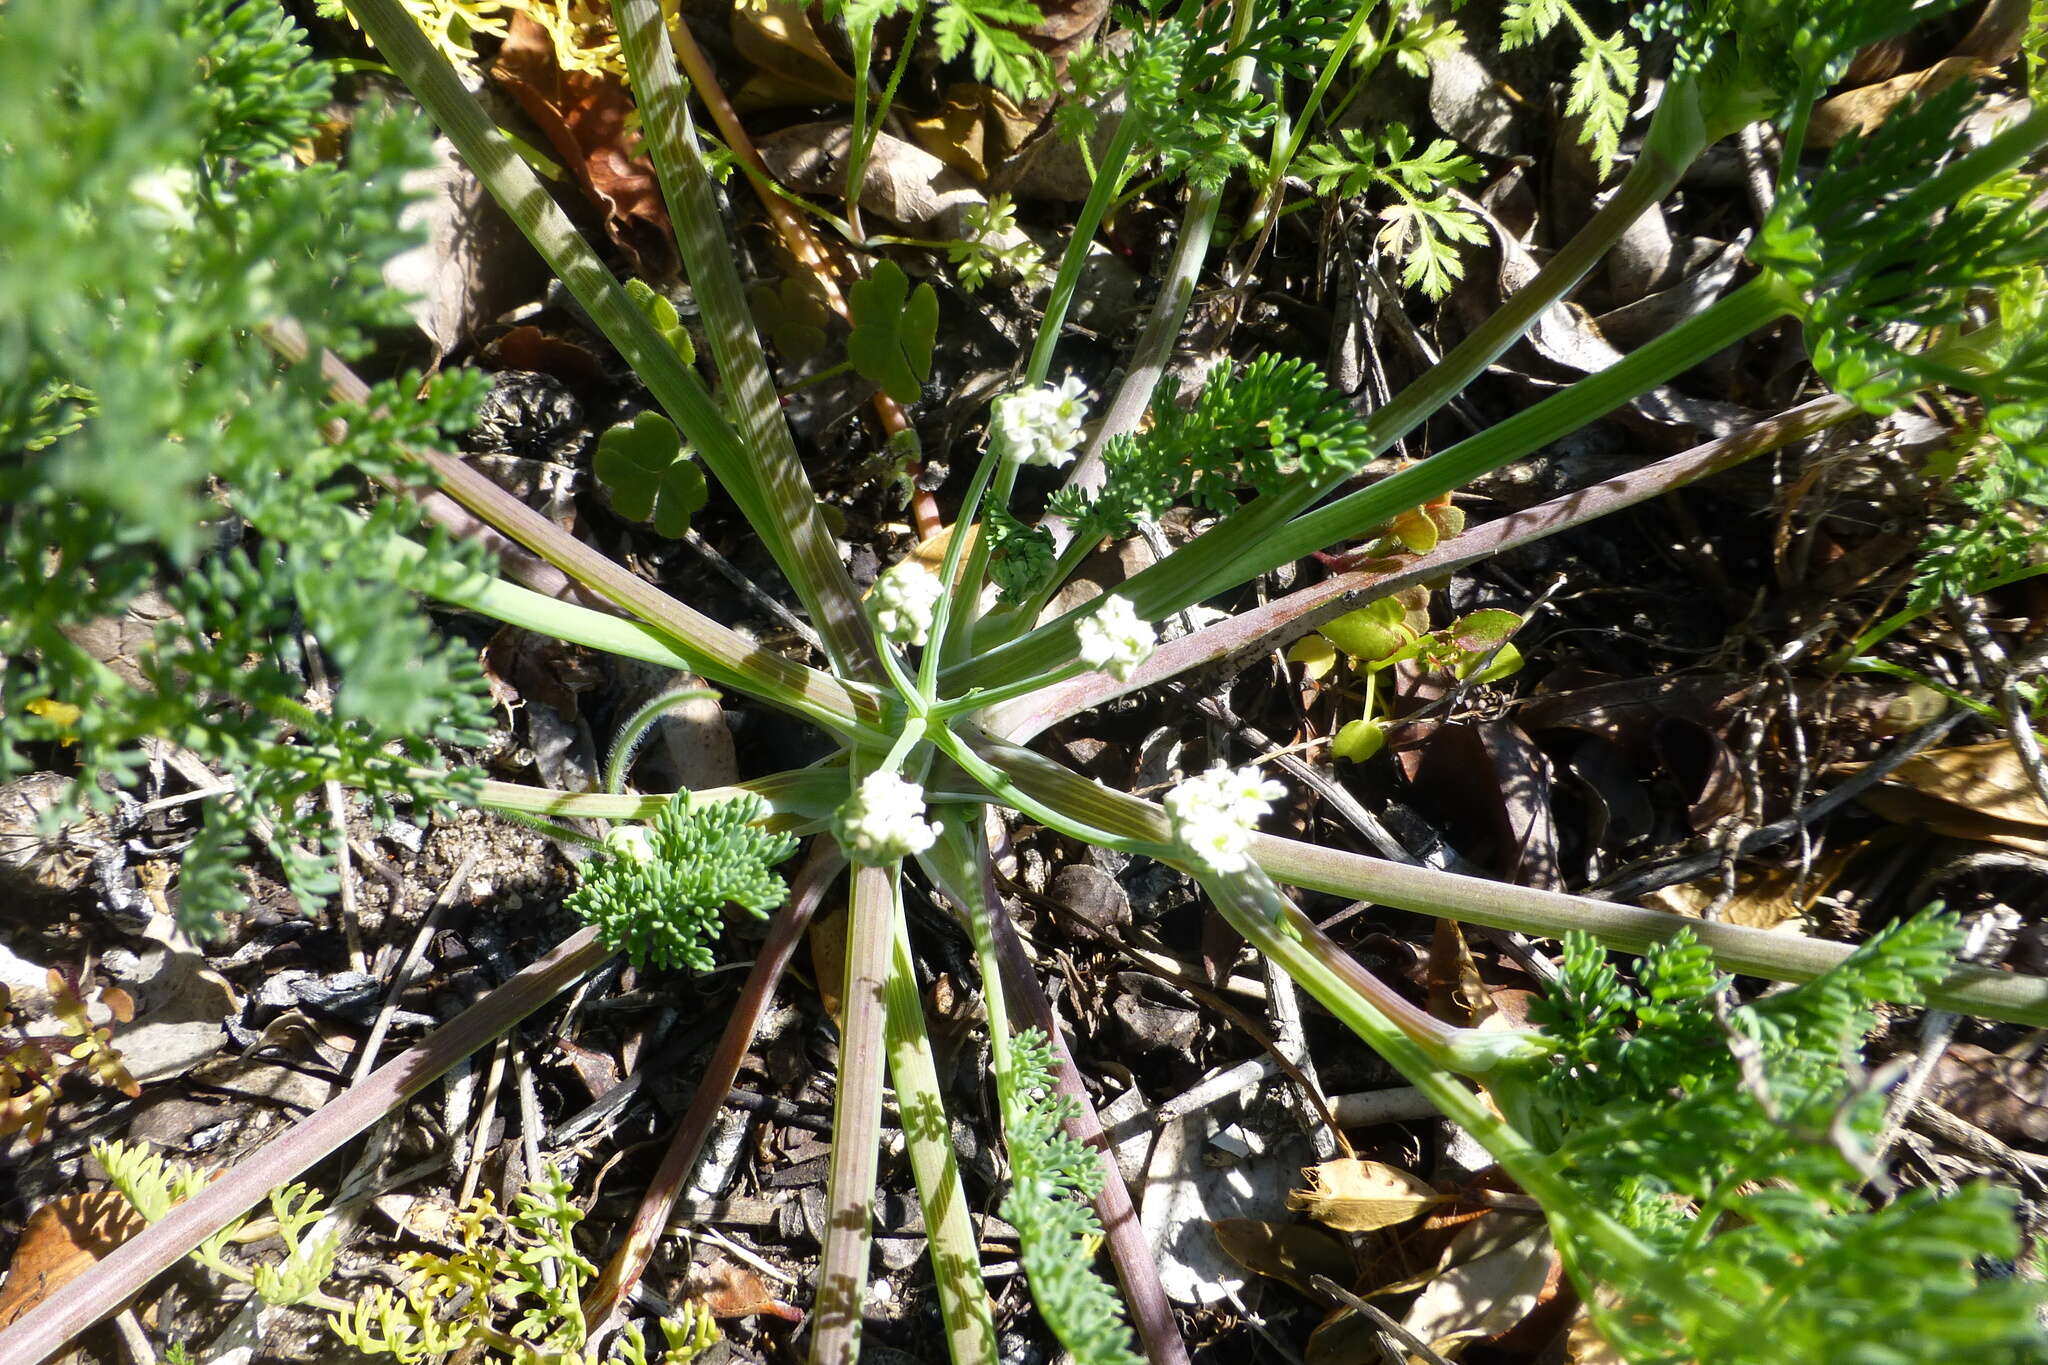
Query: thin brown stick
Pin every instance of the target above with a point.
(714, 1087)
(100, 1292)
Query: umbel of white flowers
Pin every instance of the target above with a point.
(1215, 813)
(883, 820)
(1042, 425)
(903, 602)
(1114, 639)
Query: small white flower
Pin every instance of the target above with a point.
(884, 820)
(631, 841)
(1041, 426)
(1114, 639)
(1214, 814)
(904, 600)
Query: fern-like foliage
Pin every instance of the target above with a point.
(1021, 557)
(1174, 73)
(1770, 59)
(1747, 1183)
(1426, 223)
(1603, 80)
(1274, 420)
(153, 441)
(1872, 268)
(658, 897)
(988, 32)
(154, 1184)
(1995, 533)
(1053, 1178)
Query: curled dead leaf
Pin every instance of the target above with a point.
(63, 1239)
(1355, 1195)
(1975, 791)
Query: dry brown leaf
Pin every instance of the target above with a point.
(1777, 898)
(976, 127)
(733, 1291)
(1355, 1195)
(584, 117)
(794, 66)
(1485, 1295)
(1975, 791)
(1292, 1253)
(64, 1239)
(1859, 112)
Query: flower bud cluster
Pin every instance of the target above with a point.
(903, 602)
(883, 820)
(1114, 640)
(1042, 425)
(1215, 813)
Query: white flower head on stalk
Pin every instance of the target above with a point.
(904, 599)
(883, 820)
(1215, 813)
(1042, 425)
(1114, 639)
(631, 841)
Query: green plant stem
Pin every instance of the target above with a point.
(1185, 578)
(634, 732)
(1754, 306)
(799, 801)
(1121, 144)
(1276, 169)
(770, 490)
(1268, 921)
(957, 602)
(729, 323)
(1052, 817)
(1906, 616)
(955, 1255)
(699, 643)
(1155, 344)
(1259, 631)
(1047, 785)
(856, 1120)
(975, 701)
(868, 127)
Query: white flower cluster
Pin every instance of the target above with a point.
(1215, 813)
(1041, 426)
(883, 820)
(631, 841)
(1114, 639)
(903, 601)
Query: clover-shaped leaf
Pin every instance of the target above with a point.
(650, 475)
(893, 331)
(791, 316)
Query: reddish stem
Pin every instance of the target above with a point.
(797, 236)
